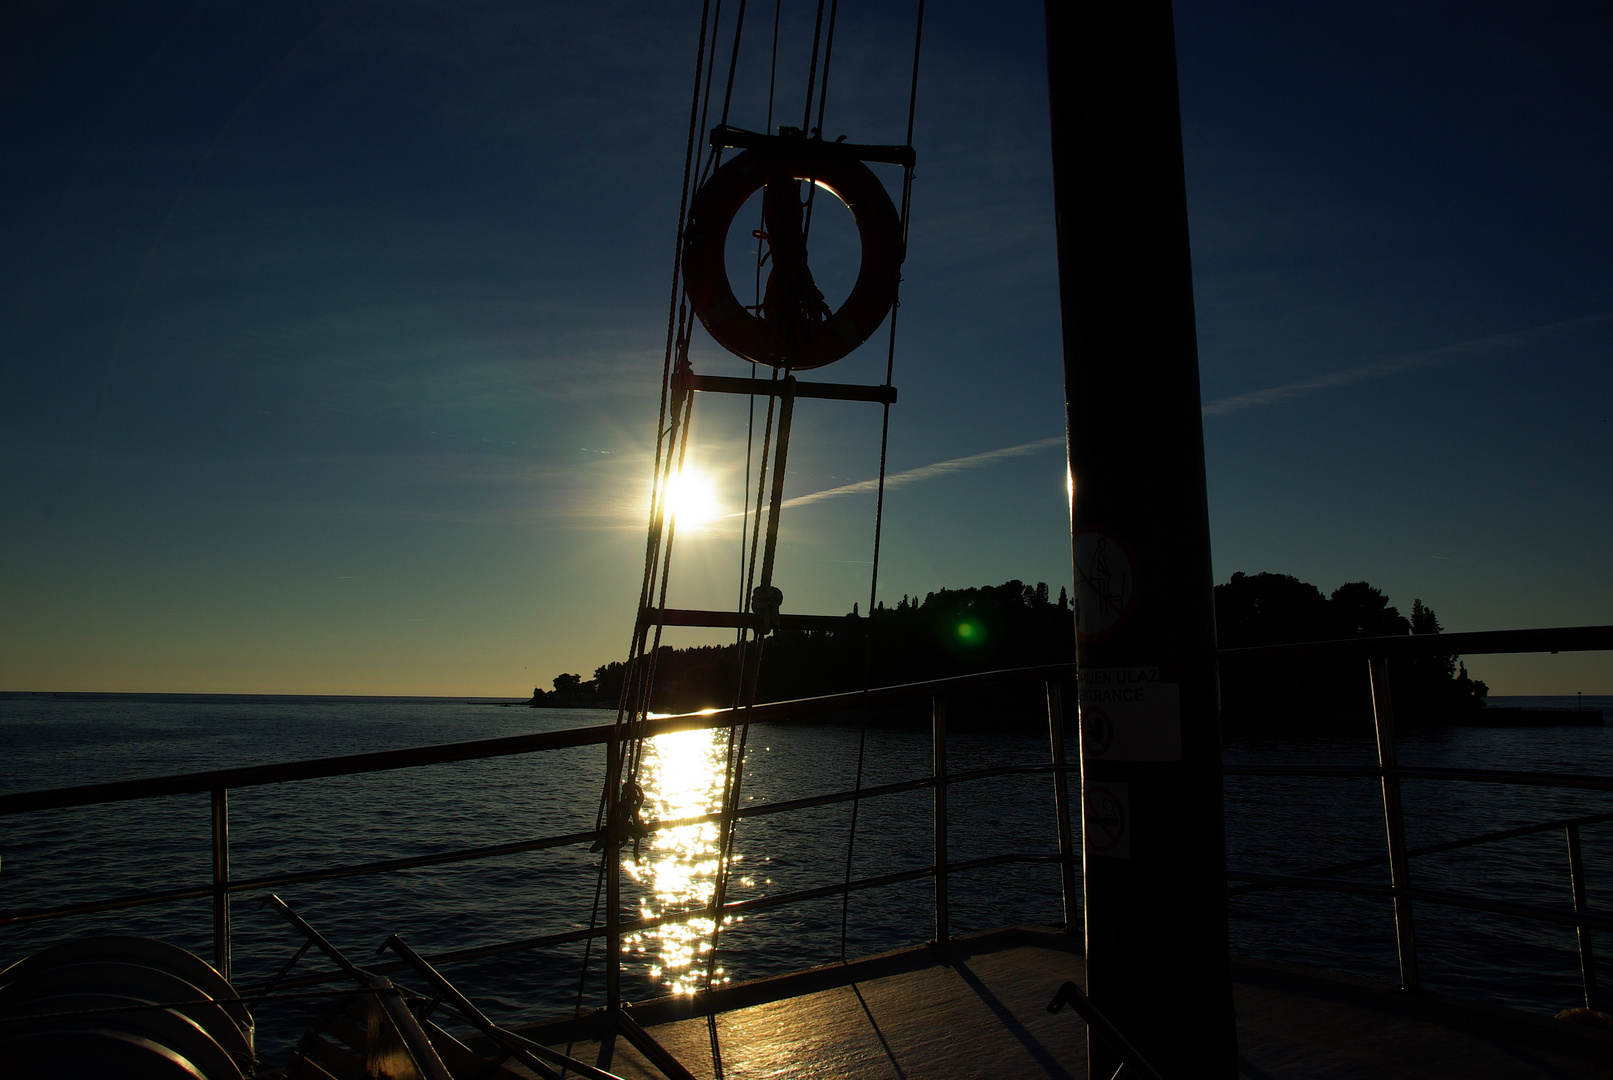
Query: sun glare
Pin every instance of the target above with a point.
(692, 499)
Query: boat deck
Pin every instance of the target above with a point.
(978, 1007)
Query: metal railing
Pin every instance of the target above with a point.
(219, 783)
(1377, 651)
(1389, 772)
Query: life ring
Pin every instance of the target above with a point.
(711, 213)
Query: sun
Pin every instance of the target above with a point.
(691, 497)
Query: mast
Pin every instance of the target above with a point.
(1154, 855)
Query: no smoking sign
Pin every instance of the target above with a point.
(1106, 821)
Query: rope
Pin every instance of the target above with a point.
(734, 757)
(750, 421)
(828, 53)
(823, 101)
(711, 69)
(673, 435)
(733, 64)
(812, 71)
(677, 319)
(879, 498)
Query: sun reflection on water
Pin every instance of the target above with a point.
(682, 776)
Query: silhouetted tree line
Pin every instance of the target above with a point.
(949, 632)
(1278, 609)
(962, 631)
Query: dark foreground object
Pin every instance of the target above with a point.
(1152, 875)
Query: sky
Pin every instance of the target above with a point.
(331, 333)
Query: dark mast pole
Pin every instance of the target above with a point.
(1154, 851)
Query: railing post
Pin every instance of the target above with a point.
(221, 881)
(1061, 806)
(939, 731)
(1383, 718)
(613, 876)
(1576, 878)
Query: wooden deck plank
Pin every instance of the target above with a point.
(978, 1008)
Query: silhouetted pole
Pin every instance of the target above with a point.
(1154, 853)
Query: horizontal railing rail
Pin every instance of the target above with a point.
(447, 753)
(1443, 846)
(383, 866)
(277, 881)
(1575, 781)
(733, 907)
(241, 885)
(218, 783)
(1387, 772)
(1557, 639)
(1435, 896)
(1551, 639)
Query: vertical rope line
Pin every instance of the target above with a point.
(647, 684)
(772, 72)
(646, 670)
(703, 162)
(744, 505)
(638, 682)
(823, 101)
(761, 226)
(772, 86)
(653, 530)
(812, 71)
(677, 317)
(879, 499)
(733, 781)
(828, 53)
(755, 542)
(695, 162)
(733, 64)
(913, 87)
(767, 128)
(639, 689)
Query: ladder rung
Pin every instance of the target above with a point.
(733, 620)
(728, 384)
(740, 139)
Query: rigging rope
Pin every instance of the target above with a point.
(828, 52)
(879, 498)
(812, 70)
(677, 321)
(711, 69)
(672, 443)
(758, 234)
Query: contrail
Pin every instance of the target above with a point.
(925, 472)
(1445, 354)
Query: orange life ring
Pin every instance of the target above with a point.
(705, 269)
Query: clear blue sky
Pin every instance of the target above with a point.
(330, 334)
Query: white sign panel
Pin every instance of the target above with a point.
(1128, 714)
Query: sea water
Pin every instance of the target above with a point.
(1274, 825)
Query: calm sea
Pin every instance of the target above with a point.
(1274, 825)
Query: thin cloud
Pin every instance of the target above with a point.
(927, 472)
(1445, 354)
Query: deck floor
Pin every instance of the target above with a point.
(978, 1008)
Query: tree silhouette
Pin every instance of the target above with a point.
(1277, 609)
(960, 631)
